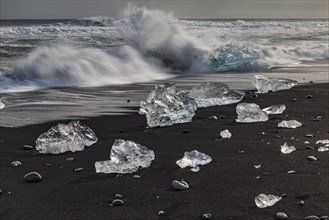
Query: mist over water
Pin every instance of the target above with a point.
(146, 45)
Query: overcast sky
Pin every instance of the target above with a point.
(49, 9)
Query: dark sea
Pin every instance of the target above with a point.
(58, 69)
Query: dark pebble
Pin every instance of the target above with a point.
(76, 170)
(0, 191)
(312, 158)
(277, 136)
(254, 95)
(309, 148)
(69, 159)
(186, 131)
(128, 100)
(312, 217)
(309, 135)
(240, 152)
(284, 195)
(309, 97)
(33, 177)
(206, 216)
(281, 215)
(222, 117)
(117, 202)
(47, 164)
(270, 91)
(179, 185)
(118, 175)
(248, 93)
(324, 218)
(27, 147)
(301, 202)
(265, 174)
(311, 82)
(294, 100)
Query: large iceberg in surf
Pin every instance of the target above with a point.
(66, 137)
(126, 157)
(164, 106)
(265, 84)
(214, 93)
(238, 56)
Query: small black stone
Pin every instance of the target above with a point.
(117, 196)
(248, 93)
(186, 131)
(254, 95)
(222, 117)
(128, 100)
(311, 82)
(0, 191)
(324, 218)
(27, 147)
(265, 174)
(117, 202)
(206, 216)
(309, 97)
(33, 177)
(294, 100)
(47, 164)
(270, 91)
(309, 135)
(312, 217)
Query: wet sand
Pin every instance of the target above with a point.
(226, 187)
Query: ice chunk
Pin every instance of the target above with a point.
(265, 84)
(323, 149)
(289, 124)
(2, 105)
(66, 137)
(165, 107)
(226, 134)
(325, 142)
(263, 200)
(238, 56)
(193, 159)
(126, 157)
(286, 149)
(274, 109)
(250, 112)
(214, 93)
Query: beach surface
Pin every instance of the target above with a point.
(226, 187)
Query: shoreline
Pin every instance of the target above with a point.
(226, 187)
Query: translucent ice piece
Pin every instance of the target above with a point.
(65, 137)
(226, 134)
(238, 56)
(165, 107)
(289, 124)
(286, 149)
(2, 105)
(265, 84)
(126, 157)
(325, 142)
(193, 159)
(214, 93)
(323, 149)
(274, 109)
(250, 112)
(263, 201)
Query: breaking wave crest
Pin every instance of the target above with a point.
(156, 46)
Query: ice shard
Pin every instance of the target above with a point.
(324, 141)
(274, 109)
(289, 124)
(164, 106)
(263, 200)
(66, 137)
(250, 112)
(225, 134)
(2, 105)
(193, 159)
(214, 93)
(265, 84)
(286, 149)
(126, 157)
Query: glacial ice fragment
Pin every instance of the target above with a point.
(238, 56)
(265, 84)
(126, 157)
(286, 149)
(250, 112)
(214, 93)
(289, 124)
(274, 109)
(323, 149)
(263, 200)
(66, 137)
(2, 105)
(193, 159)
(165, 107)
(324, 142)
(225, 134)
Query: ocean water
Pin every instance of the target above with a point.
(57, 69)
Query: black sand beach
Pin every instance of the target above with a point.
(226, 187)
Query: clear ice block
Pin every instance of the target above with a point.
(286, 149)
(225, 134)
(263, 200)
(164, 106)
(265, 84)
(214, 93)
(289, 124)
(126, 157)
(250, 112)
(66, 137)
(193, 159)
(274, 109)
